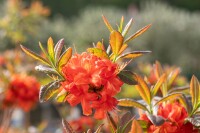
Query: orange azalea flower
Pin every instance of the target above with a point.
(93, 82)
(175, 115)
(22, 92)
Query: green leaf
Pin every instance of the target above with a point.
(131, 103)
(158, 84)
(116, 41)
(143, 89)
(64, 58)
(47, 91)
(58, 48)
(34, 55)
(194, 91)
(45, 69)
(169, 97)
(62, 96)
(156, 120)
(134, 54)
(143, 124)
(98, 52)
(107, 23)
(127, 27)
(138, 33)
(127, 77)
(50, 47)
(67, 127)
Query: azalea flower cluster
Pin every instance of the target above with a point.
(95, 77)
(22, 92)
(18, 89)
(93, 82)
(175, 115)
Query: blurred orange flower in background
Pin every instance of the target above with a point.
(93, 82)
(22, 92)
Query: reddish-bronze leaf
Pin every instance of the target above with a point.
(138, 33)
(158, 84)
(107, 23)
(169, 97)
(116, 41)
(131, 103)
(134, 54)
(34, 55)
(143, 89)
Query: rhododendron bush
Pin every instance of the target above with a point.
(94, 78)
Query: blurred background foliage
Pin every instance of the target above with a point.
(173, 37)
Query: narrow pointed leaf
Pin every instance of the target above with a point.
(128, 77)
(121, 24)
(134, 54)
(98, 52)
(143, 89)
(116, 41)
(111, 122)
(138, 33)
(125, 118)
(158, 69)
(194, 91)
(127, 27)
(58, 48)
(50, 48)
(67, 127)
(158, 84)
(34, 55)
(124, 46)
(186, 103)
(131, 103)
(172, 76)
(45, 69)
(127, 127)
(43, 49)
(178, 89)
(169, 97)
(99, 129)
(107, 23)
(156, 120)
(136, 128)
(64, 58)
(47, 91)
